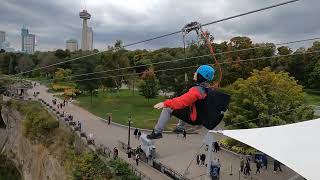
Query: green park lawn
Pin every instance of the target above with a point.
(313, 97)
(142, 111)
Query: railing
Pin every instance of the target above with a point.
(157, 165)
(168, 171)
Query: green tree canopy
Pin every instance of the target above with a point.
(149, 85)
(262, 97)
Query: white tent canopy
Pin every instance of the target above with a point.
(295, 145)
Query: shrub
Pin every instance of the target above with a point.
(122, 170)
(237, 147)
(38, 123)
(87, 165)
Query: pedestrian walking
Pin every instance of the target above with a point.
(247, 168)
(216, 147)
(184, 134)
(115, 153)
(198, 159)
(241, 164)
(137, 159)
(109, 119)
(203, 159)
(139, 134)
(258, 165)
(79, 125)
(135, 133)
(276, 166)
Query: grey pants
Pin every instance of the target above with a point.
(164, 118)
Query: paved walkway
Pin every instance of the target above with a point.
(174, 152)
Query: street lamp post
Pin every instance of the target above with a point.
(129, 148)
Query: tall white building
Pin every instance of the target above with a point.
(28, 41)
(90, 38)
(72, 45)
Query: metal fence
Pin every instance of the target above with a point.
(156, 165)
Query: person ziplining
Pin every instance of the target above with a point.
(202, 104)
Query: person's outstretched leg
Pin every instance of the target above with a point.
(161, 124)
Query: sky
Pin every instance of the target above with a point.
(55, 21)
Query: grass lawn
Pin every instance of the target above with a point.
(313, 97)
(143, 113)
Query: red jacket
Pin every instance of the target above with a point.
(186, 100)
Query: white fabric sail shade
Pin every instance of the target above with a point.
(295, 145)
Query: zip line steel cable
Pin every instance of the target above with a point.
(179, 68)
(193, 57)
(165, 35)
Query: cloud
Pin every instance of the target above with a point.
(55, 21)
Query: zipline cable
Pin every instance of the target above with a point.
(179, 68)
(162, 36)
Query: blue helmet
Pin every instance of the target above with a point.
(206, 71)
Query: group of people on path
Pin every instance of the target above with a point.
(245, 167)
(201, 159)
(137, 133)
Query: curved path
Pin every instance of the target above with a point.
(173, 151)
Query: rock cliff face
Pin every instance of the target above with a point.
(34, 161)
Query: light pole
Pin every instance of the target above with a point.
(128, 149)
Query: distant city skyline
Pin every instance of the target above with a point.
(28, 41)
(55, 21)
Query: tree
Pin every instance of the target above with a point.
(61, 74)
(25, 63)
(263, 97)
(149, 85)
(61, 54)
(314, 77)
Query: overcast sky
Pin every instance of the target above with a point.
(55, 21)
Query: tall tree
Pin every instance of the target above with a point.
(259, 100)
(149, 85)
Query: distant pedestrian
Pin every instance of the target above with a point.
(109, 119)
(241, 164)
(276, 166)
(247, 168)
(216, 147)
(139, 134)
(203, 159)
(115, 153)
(184, 134)
(198, 159)
(135, 133)
(137, 159)
(79, 125)
(258, 165)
